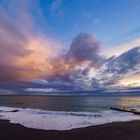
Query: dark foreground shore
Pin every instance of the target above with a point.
(111, 131)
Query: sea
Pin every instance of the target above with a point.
(57, 112)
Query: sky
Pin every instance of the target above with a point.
(69, 46)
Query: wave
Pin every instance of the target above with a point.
(62, 120)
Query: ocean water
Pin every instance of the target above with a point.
(67, 112)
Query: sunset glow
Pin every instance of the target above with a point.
(39, 43)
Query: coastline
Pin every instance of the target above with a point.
(110, 131)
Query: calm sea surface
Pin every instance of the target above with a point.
(71, 103)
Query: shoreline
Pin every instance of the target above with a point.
(110, 131)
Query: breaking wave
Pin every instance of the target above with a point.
(62, 120)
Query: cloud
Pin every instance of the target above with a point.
(6, 92)
(126, 61)
(41, 90)
(56, 4)
(40, 81)
(32, 60)
(130, 80)
(56, 8)
(115, 73)
(26, 56)
(22, 52)
(85, 49)
(122, 70)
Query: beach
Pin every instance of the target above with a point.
(110, 131)
(83, 118)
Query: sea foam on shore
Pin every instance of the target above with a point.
(62, 120)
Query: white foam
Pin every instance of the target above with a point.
(61, 120)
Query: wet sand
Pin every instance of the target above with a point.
(110, 131)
